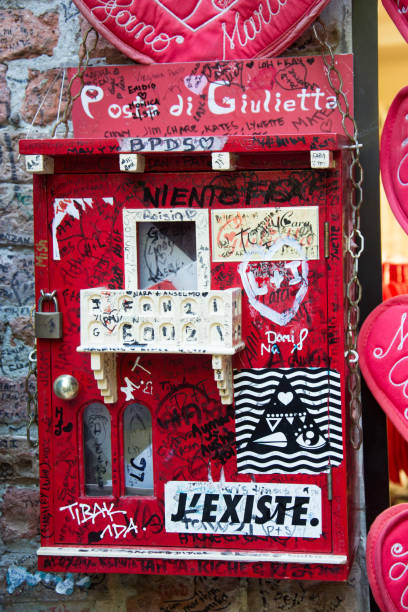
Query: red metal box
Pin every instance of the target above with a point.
(202, 301)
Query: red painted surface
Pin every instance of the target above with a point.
(395, 282)
(397, 10)
(394, 157)
(383, 356)
(277, 571)
(201, 101)
(194, 435)
(386, 551)
(169, 31)
(102, 154)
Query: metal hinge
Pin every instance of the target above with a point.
(330, 484)
(326, 240)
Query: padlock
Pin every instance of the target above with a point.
(48, 324)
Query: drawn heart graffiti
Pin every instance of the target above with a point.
(110, 320)
(326, 126)
(398, 11)
(190, 30)
(206, 143)
(394, 157)
(293, 78)
(196, 83)
(387, 559)
(258, 283)
(383, 351)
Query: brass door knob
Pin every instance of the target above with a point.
(66, 387)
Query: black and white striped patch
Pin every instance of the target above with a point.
(288, 420)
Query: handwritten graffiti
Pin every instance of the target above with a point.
(84, 513)
(185, 404)
(288, 279)
(41, 253)
(145, 385)
(210, 143)
(140, 108)
(220, 98)
(138, 447)
(254, 233)
(139, 468)
(217, 442)
(98, 463)
(247, 190)
(273, 339)
(168, 250)
(210, 436)
(59, 425)
(206, 596)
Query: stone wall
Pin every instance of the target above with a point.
(38, 39)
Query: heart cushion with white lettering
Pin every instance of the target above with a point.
(188, 30)
(383, 352)
(398, 11)
(394, 157)
(387, 559)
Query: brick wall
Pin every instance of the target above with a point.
(38, 39)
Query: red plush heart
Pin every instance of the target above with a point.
(398, 11)
(387, 559)
(190, 30)
(383, 351)
(394, 157)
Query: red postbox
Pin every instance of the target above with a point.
(193, 397)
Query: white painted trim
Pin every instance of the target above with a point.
(192, 554)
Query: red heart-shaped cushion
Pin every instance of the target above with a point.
(387, 559)
(394, 157)
(398, 11)
(189, 30)
(383, 351)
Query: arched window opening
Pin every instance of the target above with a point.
(97, 450)
(138, 455)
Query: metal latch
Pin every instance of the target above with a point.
(48, 324)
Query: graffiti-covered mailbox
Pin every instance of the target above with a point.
(192, 391)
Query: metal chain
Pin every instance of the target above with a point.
(84, 54)
(354, 239)
(32, 403)
(32, 396)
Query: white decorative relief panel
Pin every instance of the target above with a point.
(222, 366)
(103, 366)
(156, 321)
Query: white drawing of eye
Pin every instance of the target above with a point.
(310, 439)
